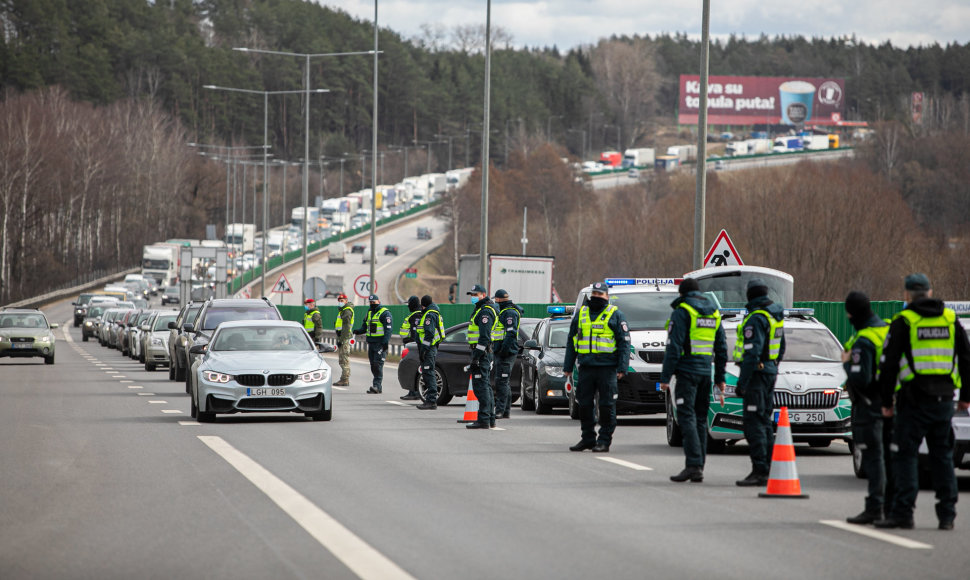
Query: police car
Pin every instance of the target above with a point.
(645, 302)
(811, 383)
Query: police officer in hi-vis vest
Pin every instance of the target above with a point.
(344, 326)
(505, 346)
(431, 329)
(871, 432)
(925, 358)
(378, 327)
(695, 337)
(758, 348)
(409, 333)
(599, 342)
(480, 342)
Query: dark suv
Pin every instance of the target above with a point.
(176, 341)
(216, 311)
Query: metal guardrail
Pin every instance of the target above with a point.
(38, 301)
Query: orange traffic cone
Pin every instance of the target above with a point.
(783, 478)
(471, 405)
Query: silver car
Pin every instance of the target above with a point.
(258, 366)
(154, 339)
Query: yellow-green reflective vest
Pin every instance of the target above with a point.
(374, 326)
(439, 332)
(498, 329)
(340, 321)
(473, 330)
(932, 342)
(703, 329)
(405, 331)
(308, 320)
(775, 332)
(595, 336)
(874, 334)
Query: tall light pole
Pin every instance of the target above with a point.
(373, 193)
(483, 244)
(700, 197)
(449, 138)
(306, 115)
(266, 94)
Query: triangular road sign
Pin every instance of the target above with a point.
(282, 285)
(722, 253)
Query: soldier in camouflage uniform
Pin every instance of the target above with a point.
(345, 331)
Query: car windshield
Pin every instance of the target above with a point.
(216, 316)
(527, 326)
(731, 288)
(261, 338)
(644, 310)
(161, 323)
(811, 345)
(95, 311)
(558, 331)
(22, 321)
(172, 290)
(84, 299)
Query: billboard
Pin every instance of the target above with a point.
(757, 100)
(527, 279)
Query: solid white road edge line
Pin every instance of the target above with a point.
(875, 534)
(633, 466)
(398, 403)
(362, 559)
(339, 388)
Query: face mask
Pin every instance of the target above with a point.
(475, 299)
(597, 303)
(341, 304)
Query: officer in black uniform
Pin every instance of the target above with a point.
(871, 432)
(431, 329)
(759, 347)
(695, 337)
(409, 333)
(599, 342)
(378, 325)
(925, 350)
(505, 350)
(480, 341)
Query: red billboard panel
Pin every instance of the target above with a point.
(756, 100)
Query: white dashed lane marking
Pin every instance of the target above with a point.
(172, 411)
(877, 535)
(158, 402)
(634, 466)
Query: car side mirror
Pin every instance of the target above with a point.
(324, 347)
(171, 325)
(188, 327)
(144, 328)
(198, 349)
(55, 325)
(531, 344)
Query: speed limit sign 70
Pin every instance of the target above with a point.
(362, 286)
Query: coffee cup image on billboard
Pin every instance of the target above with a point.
(797, 98)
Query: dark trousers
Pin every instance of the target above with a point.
(692, 395)
(872, 433)
(428, 355)
(759, 419)
(597, 384)
(376, 353)
(481, 373)
(502, 373)
(919, 416)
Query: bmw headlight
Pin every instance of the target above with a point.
(553, 371)
(216, 377)
(316, 376)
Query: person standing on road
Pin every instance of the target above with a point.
(480, 341)
(431, 329)
(759, 347)
(409, 333)
(925, 358)
(871, 432)
(694, 337)
(378, 327)
(505, 345)
(345, 332)
(312, 321)
(599, 342)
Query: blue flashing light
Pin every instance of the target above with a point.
(643, 281)
(799, 312)
(556, 309)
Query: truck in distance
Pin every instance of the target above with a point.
(240, 238)
(161, 262)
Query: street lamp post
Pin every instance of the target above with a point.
(306, 140)
(449, 138)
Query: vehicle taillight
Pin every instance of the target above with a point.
(404, 353)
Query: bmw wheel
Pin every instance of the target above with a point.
(444, 394)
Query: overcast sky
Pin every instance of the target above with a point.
(568, 23)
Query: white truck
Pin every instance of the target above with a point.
(815, 142)
(735, 148)
(528, 279)
(312, 216)
(240, 238)
(638, 158)
(275, 241)
(437, 185)
(336, 253)
(684, 152)
(335, 285)
(161, 262)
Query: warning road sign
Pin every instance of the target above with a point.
(722, 253)
(282, 285)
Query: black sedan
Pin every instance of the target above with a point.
(543, 382)
(453, 356)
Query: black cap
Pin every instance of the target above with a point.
(688, 285)
(858, 306)
(917, 281)
(600, 287)
(476, 289)
(414, 304)
(373, 298)
(756, 288)
(426, 300)
(501, 293)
